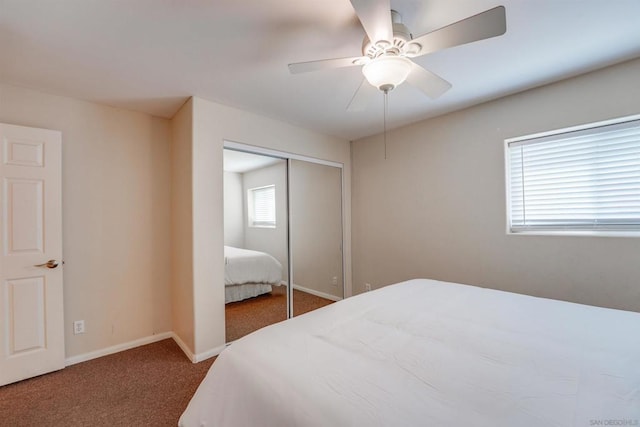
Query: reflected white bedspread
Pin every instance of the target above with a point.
(427, 353)
(247, 266)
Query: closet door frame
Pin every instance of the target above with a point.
(253, 149)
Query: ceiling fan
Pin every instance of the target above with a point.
(388, 47)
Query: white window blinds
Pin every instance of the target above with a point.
(579, 180)
(262, 206)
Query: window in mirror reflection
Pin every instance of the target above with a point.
(262, 206)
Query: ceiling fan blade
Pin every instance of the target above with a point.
(432, 85)
(362, 96)
(490, 23)
(305, 67)
(375, 17)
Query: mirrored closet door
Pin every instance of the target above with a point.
(256, 242)
(283, 237)
(315, 197)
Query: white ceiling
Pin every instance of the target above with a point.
(150, 55)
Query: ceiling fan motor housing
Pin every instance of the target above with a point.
(400, 45)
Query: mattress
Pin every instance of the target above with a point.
(428, 353)
(248, 266)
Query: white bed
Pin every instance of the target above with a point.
(249, 273)
(428, 353)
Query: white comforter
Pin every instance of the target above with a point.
(246, 266)
(427, 353)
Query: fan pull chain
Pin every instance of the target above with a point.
(384, 121)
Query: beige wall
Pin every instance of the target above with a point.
(436, 207)
(182, 294)
(214, 123)
(115, 215)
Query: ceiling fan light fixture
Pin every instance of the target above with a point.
(387, 72)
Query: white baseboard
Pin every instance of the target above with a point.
(185, 348)
(199, 357)
(195, 358)
(208, 354)
(117, 348)
(316, 293)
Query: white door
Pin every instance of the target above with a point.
(31, 314)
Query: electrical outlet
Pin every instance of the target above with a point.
(78, 327)
(367, 287)
(334, 281)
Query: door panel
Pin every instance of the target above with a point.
(31, 299)
(24, 216)
(26, 315)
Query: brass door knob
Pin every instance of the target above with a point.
(52, 263)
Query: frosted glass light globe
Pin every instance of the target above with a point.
(387, 72)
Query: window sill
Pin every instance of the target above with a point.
(574, 233)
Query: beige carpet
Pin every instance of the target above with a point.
(244, 317)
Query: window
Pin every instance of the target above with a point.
(575, 180)
(262, 207)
